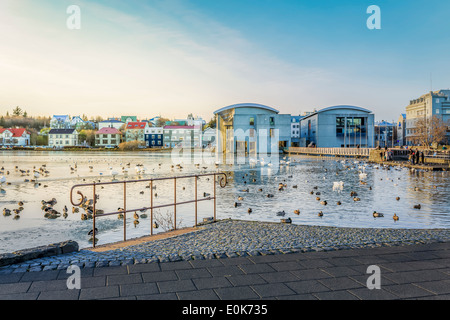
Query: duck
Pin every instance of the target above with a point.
(136, 222)
(297, 211)
(417, 206)
(281, 213)
(249, 210)
(155, 225)
(270, 195)
(356, 199)
(398, 198)
(236, 204)
(136, 216)
(320, 214)
(324, 202)
(6, 212)
(240, 198)
(318, 198)
(395, 217)
(90, 233)
(338, 203)
(20, 203)
(377, 214)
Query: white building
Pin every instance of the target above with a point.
(434, 103)
(117, 124)
(59, 138)
(339, 126)
(14, 137)
(252, 128)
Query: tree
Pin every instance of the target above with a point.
(161, 122)
(17, 111)
(430, 130)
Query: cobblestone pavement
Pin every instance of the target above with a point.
(240, 260)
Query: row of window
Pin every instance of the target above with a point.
(271, 121)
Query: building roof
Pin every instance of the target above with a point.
(181, 127)
(108, 130)
(136, 125)
(246, 105)
(337, 108)
(17, 132)
(62, 131)
(112, 121)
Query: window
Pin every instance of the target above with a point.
(272, 121)
(252, 121)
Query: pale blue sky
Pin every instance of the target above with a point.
(175, 57)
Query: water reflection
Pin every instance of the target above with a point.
(307, 183)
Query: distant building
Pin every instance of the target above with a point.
(251, 128)
(135, 131)
(385, 134)
(295, 131)
(209, 137)
(59, 138)
(434, 103)
(339, 127)
(126, 119)
(401, 130)
(14, 137)
(117, 124)
(61, 122)
(182, 136)
(108, 137)
(154, 137)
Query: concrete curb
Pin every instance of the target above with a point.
(38, 252)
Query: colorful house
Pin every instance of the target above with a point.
(59, 138)
(135, 131)
(108, 137)
(14, 137)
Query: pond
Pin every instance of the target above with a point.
(254, 186)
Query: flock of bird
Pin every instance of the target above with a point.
(49, 210)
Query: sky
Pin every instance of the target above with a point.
(176, 57)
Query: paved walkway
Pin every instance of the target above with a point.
(407, 272)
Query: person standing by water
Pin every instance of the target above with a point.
(417, 157)
(422, 156)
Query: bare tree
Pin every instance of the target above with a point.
(430, 130)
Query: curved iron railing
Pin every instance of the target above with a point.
(95, 214)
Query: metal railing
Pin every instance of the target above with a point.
(362, 152)
(124, 211)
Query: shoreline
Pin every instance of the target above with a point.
(232, 238)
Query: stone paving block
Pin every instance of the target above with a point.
(438, 287)
(206, 263)
(316, 263)
(286, 265)
(138, 289)
(20, 296)
(297, 297)
(336, 295)
(193, 273)
(10, 277)
(99, 293)
(308, 274)
(207, 294)
(50, 285)
(272, 290)
(341, 283)
(214, 282)
(40, 276)
(416, 276)
(176, 265)
(256, 268)
(159, 276)
(236, 293)
(162, 296)
(280, 276)
(224, 271)
(123, 279)
(176, 286)
(10, 288)
(375, 294)
(340, 271)
(106, 271)
(307, 286)
(407, 290)
(144, 267)
(246, 279)
(60, 295)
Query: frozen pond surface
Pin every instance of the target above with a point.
(302, 176)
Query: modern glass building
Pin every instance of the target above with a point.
(339, 127)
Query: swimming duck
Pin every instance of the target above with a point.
(240, 198)
(155, 225)
(324, 202)
(281, 213)
(377, 214)
(398, 198)
(356, 199)
(249, 210)
(236, 204)
(270, 195)
(136, 216)
(20, 203)
(90, 233)
(338, 203)
(320, 214)
(395, 217)
(417, 206)
(136, 222)
(297, 211)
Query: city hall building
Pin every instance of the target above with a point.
(338, 127)
(251, 128)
